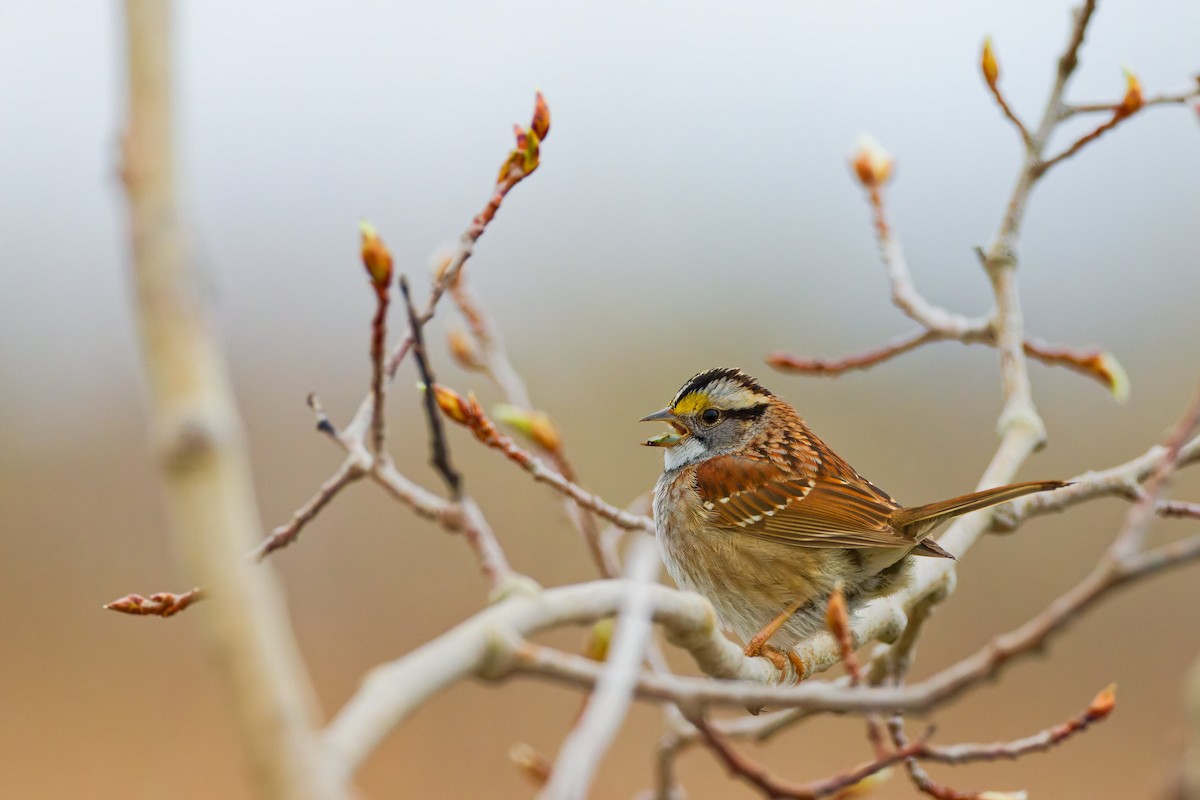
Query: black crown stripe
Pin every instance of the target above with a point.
(703, 379)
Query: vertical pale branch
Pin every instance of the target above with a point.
(1020, 427)
(1000, 260)
(198, 435)
(606, 709)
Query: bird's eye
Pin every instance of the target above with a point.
(710, 416)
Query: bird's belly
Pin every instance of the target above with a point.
(750, 580)
(749, 584)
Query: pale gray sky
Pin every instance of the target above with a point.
(694, 185)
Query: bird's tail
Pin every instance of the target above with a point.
(919, 520)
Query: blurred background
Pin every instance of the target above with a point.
(693, 209)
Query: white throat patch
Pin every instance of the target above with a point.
(686, 452)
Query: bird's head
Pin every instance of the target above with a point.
(714, 412)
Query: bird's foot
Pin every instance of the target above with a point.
(758, 647)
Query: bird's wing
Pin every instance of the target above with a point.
(824, 503)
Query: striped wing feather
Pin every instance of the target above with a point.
(808, 507)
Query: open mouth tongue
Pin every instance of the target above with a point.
(670, 438)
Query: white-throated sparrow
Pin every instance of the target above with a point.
(758, 515)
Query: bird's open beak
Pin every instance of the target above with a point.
(665, 439)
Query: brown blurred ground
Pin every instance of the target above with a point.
(622, 267)
(105, 706)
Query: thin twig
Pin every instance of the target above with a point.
(1083, 141)
(466, 247)
(378, 384)
(904, 294)
(1026, 136)
(837, 620)
(1137, 522)
(492, 357)
(285, 534)
(1121, 480)
(377, 260)
(1095, 363)
(439, 452)
(512, 175)
(917, 774)
(1177, 508)
(757, 776)
(829, 367)
(1040, 742)
(324, 424)
(467, 411)
(1098, 710)
(1177, 98)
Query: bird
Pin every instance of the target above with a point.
(758, 515)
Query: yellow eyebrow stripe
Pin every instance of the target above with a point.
(691, 403)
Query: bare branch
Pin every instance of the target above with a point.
(1095, 363)
(1099, 709)
(1121, 480)
(378, 261)
(1168, 99)
(606, 708)
(350, 471)
(921, 697)
(754, 774)
(1137, 522)
(324, 424)
(786, 362)
(492, 357)
(1083, 141)
(991, 75)
(518, 167)
(904, 293)
(490, 644)
(468, 412)
(1100, 365)
(925, 784)
(462, 517)
(1177, 508)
